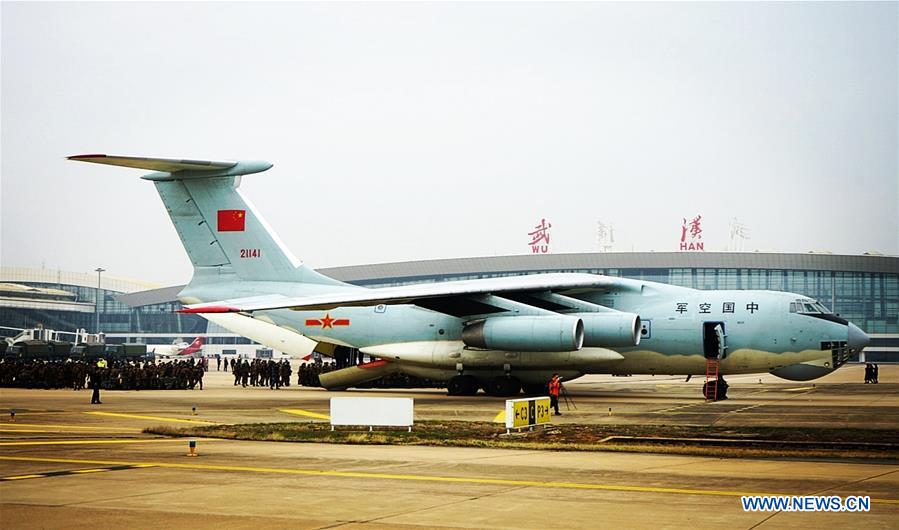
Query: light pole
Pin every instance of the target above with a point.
(99, 271)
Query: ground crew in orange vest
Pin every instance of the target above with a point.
(555, 385)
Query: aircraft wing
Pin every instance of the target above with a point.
(557, 283)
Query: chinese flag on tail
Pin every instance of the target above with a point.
(232, 220)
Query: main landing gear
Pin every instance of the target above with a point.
(535, 389)
(504, 386)
(462, 385)
(499, 386)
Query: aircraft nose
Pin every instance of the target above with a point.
(857, 338)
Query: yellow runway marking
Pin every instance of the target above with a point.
(61, 426)
(89, 427)
(89, 470)
(800, 389)
(417, 478)
(92, 442)
(155, 418)
(300, 412)
(23, 430)
(20, 477)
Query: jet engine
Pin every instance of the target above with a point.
(608, 330)
(526, 333)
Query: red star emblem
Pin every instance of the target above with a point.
(327, 321)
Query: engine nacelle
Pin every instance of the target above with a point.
(526, 333)
(356, 375)
(607, 330)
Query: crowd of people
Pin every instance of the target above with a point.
(116, 374)
(260, 372)
(121, 374)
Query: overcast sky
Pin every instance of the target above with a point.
(410, 131)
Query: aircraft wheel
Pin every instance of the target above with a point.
(462, 385)
(535, 389)
(454, 386)
(504, 386)
(722, 389)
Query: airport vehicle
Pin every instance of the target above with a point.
(85, 351)
(135, 352)
(89, 352)
(500, 334)
(39, 350)
(178, 349)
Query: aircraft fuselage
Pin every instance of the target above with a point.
(758, 333)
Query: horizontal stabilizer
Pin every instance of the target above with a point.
(168, 169)
(168, 165)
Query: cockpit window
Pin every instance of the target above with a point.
(808, 307)
(821, 308)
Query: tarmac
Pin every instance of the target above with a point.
(66, 463)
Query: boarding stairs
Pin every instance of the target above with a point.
(711, 378)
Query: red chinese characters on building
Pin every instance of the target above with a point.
(540, 237)
(694, 230)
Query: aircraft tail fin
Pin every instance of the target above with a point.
(195, 346)
(220, 229)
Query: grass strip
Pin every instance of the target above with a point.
(679, 439)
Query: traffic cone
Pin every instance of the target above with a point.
(192, 445)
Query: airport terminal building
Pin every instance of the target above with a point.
(863, 289)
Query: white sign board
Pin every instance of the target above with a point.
(391, 412)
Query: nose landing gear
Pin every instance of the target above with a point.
(715, 390)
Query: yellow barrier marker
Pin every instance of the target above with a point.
(300, 412)
(155, 418)
(192, 447)
(501, 417)
(12, 416)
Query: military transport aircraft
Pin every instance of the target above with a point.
(500, 334)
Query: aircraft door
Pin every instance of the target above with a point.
(714, 340)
